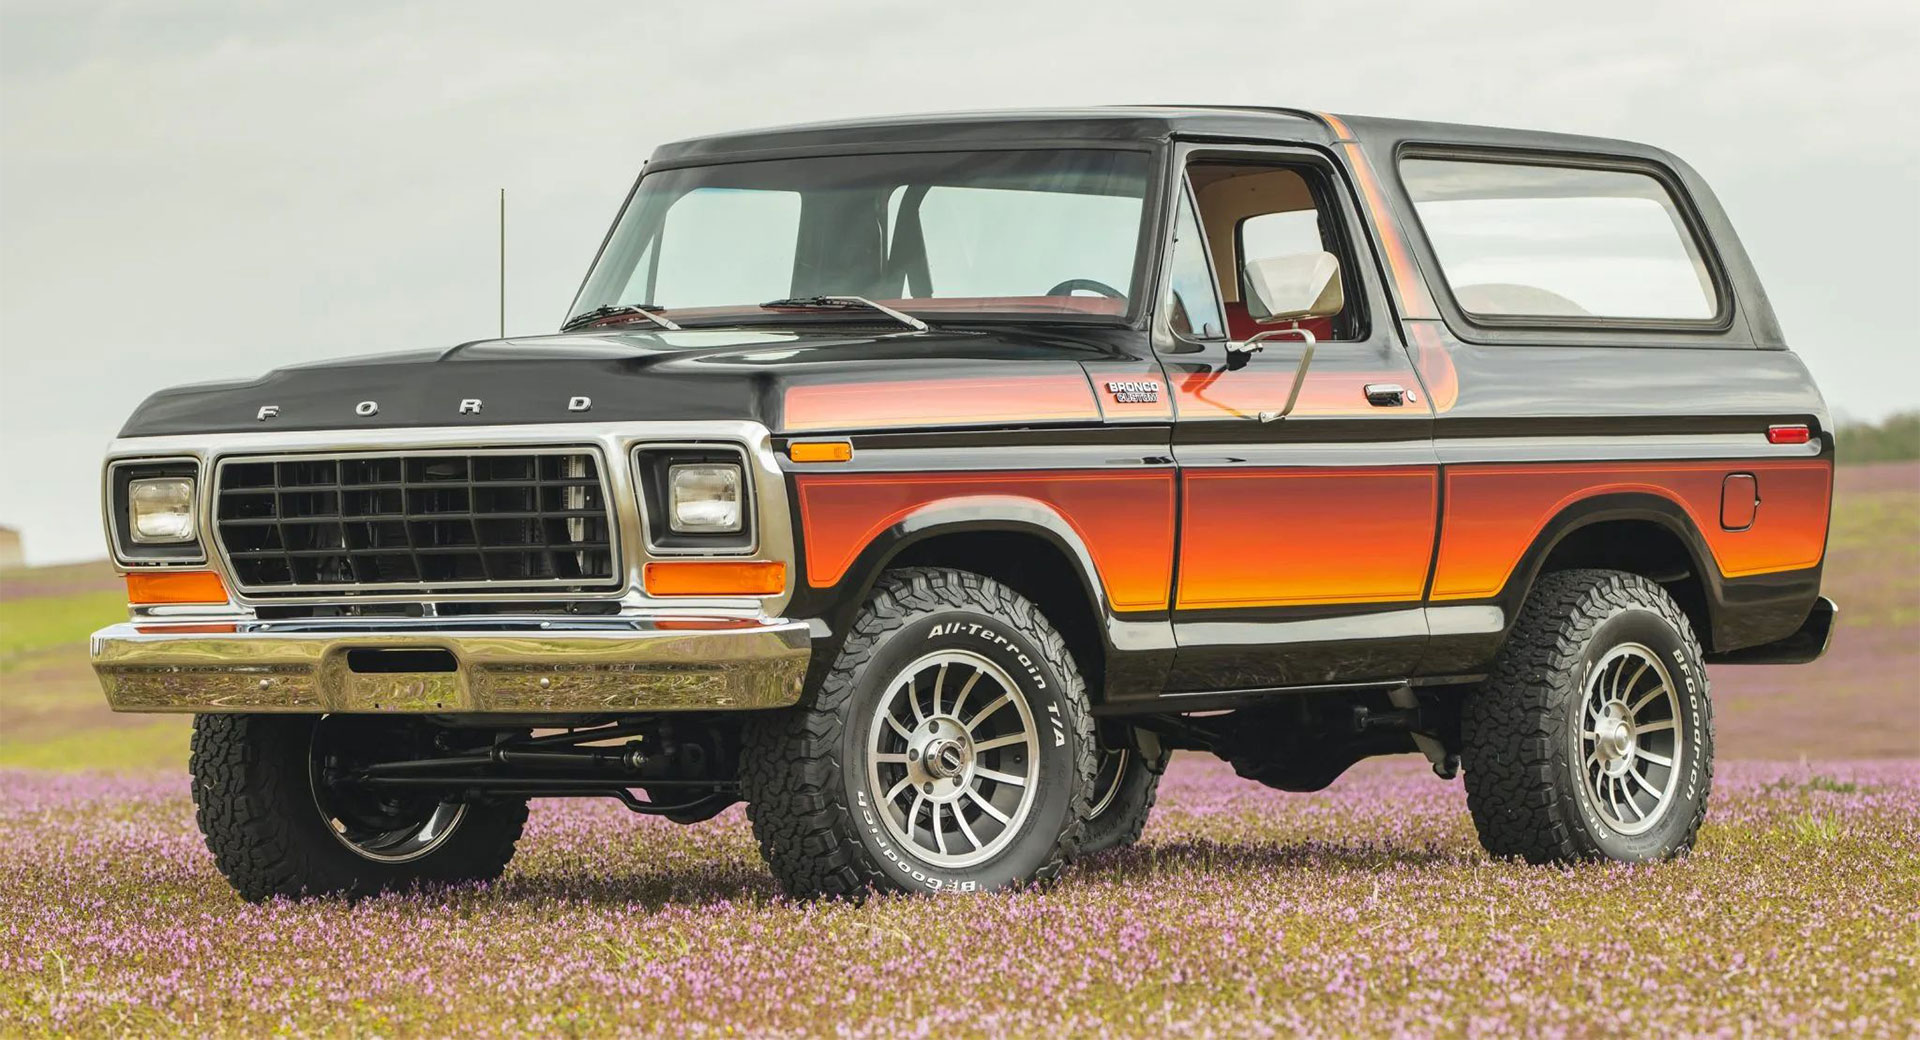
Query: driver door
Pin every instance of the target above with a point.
(1309, 494)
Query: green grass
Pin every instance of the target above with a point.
(44, 622)
(160, 744)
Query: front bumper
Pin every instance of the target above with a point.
(448, 666)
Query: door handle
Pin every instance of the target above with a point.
(1388, 395)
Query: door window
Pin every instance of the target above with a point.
(1193, 306)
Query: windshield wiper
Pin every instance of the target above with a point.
(846, 303)
(618, 310)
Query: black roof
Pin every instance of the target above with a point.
(1111, 126)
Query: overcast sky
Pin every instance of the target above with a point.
(194, 191)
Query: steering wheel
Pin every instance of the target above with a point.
(1067, 287)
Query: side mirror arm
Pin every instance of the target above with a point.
(1244, 350)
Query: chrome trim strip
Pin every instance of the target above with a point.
(501, 665)
(1703, 447)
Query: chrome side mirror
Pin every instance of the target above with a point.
(1291, 289)
(1296, 287)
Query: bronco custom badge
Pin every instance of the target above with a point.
(1134, 391)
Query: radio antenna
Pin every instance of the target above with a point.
(503, 263)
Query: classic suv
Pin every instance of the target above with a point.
(924, 483)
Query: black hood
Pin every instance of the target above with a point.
(624, 376)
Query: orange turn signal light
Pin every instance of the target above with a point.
(820, 451)
(157, 587)
(715, 578)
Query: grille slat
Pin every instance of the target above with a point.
(416, 521)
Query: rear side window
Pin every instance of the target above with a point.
(1521, 240)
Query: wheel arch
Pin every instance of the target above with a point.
(1639, 532)
(1024, 543)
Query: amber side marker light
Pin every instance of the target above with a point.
(716, 578)
(1796, 433)
(158, 587)
(820, 451)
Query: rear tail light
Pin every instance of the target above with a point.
(1789, 433)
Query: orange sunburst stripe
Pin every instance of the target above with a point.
(1125, 519)
(1495, 511)
(963, 401)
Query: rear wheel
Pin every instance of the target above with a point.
(948, 749)
(272, 801)
(1593, 736)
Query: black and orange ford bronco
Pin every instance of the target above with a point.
(925, 483)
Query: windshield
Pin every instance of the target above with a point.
(1010, 233)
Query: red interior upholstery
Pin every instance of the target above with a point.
(1241, 326)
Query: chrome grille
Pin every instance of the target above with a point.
(416, 520)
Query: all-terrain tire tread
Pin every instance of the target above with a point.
(1519, 803)
(249, 782)
(790, 766)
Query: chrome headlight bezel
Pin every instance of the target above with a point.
(129, 545)
(667, 532)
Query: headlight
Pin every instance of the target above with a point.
(160, 510)
(703, 499)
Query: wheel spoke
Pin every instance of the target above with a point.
(965, 688)
(1005, 778)
(913, 814)
(1635, 681)
(894, 791)
(939, 835)
(913, 700)
(961, 819)
(1000, 742)
(1659, 760)
(1635, 806)
(890, 758)
(905, 733)
(986, 806)
(1650, 789)
(1652, 726)
(1004, 699)
(1648, 699)
(939, 680)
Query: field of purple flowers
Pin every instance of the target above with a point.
(1365, 909)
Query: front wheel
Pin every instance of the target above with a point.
(1124, 790)
(273, 802)
(1593, 736)
(948, 749)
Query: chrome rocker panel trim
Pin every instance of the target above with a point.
(502, 665)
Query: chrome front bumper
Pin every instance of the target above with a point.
(435, 666)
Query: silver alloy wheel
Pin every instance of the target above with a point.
(1630, 739)
(953, 758)
(1107, 781)
(398, 834)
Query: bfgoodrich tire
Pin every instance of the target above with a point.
(1593, 736)
(277, 828)
(949, 749)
